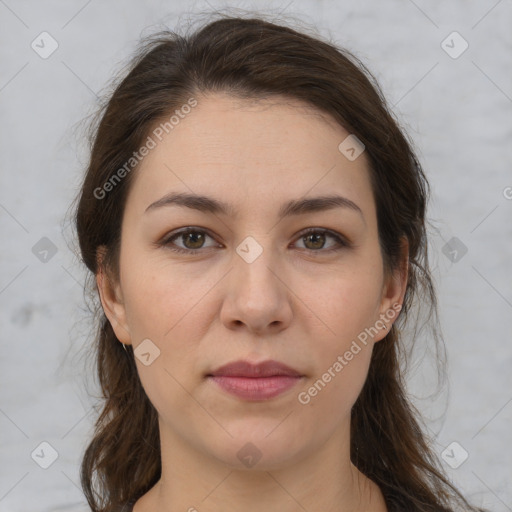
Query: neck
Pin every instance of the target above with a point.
(323, 480)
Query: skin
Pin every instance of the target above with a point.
(295, 303)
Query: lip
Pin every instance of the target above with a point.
(253, 382)
(269, 368)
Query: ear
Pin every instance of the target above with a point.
(112, 300)
(393, 292)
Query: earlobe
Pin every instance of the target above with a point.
(394, 291)
(113, 306)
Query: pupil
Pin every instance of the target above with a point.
(196, 236)
(318, 237)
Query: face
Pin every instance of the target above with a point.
(273, 275)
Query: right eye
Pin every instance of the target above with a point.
(194, 237)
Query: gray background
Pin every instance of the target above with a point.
(458, 112)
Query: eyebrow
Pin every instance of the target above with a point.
(294, 207)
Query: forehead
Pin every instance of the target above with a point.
(240, 149)
(275, 128)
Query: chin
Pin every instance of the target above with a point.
(256, 450)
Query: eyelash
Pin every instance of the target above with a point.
(341, 241)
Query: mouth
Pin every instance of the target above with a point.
(255, 382)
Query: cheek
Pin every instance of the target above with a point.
(162, 305)
(161, 296)
(347, 302)
(329, 395)
(348, 309)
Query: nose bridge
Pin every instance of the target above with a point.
(256, 263)
(256, 296)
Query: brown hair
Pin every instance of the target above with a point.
(256, 58)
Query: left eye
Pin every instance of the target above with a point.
(194, 239)
(317, 237)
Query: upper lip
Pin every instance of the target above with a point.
(268, 368)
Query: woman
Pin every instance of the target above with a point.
(254, 220)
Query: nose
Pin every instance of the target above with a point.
(257, 297)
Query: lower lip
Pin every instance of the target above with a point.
(257, 388)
